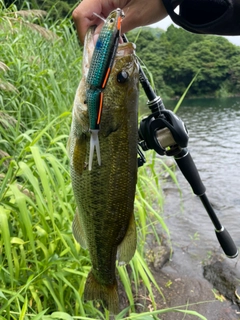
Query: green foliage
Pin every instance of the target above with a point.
(56, 9)
(33, 56)
(42, 269)
(172, 57)
(176, 56)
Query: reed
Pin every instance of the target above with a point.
(42, 269)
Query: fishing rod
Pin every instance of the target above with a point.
(164, 132)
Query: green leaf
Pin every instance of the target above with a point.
(40, 315)
(4, 228)
(24, 309)
(2, 295)
(24, 216)
(61, 315)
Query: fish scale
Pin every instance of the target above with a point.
(104, 221)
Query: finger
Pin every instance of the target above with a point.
(142, 15)
(84, 18)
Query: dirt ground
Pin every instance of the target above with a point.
(192, 293)
(184, 289)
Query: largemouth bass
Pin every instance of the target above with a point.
(104, 222)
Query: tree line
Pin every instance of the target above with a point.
(173, 57)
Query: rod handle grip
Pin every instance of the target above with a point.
(226, 242)
(190, 171)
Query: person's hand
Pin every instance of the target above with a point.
(137, 13)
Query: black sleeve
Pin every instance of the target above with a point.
(221, 17)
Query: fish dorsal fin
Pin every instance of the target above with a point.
(78, 231)
(127, 247)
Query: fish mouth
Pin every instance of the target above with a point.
(122, 50)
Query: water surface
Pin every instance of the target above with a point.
(214, 143)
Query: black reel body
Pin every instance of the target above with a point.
(163, 132)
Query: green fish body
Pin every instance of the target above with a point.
(104, 222)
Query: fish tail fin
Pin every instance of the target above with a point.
(107, 293)
(94, 142)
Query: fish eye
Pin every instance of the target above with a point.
(122, 76)
(111, 20)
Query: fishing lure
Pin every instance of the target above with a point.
(98, 74)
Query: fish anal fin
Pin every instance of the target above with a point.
(78, 230)
(127, 247)
(108, 294)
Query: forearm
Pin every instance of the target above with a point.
(220, 17)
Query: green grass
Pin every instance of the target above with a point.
(42, 269)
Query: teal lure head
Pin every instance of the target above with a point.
(105, 50)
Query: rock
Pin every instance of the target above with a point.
(224, 278)
(161, 255)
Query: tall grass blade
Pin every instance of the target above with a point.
(40, 315)
(43, 131)
(127, 284)
(24, 217)
(61, 315)
(185, 92)
(158, 312)
(6, 241)
(24, 309)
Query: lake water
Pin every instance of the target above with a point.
(214, 143)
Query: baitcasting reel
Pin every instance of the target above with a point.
(164, 132)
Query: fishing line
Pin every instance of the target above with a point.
(100, 17)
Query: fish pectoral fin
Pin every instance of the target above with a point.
(94, 143)
(127, 247)
(78, 231)
(107, 293)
